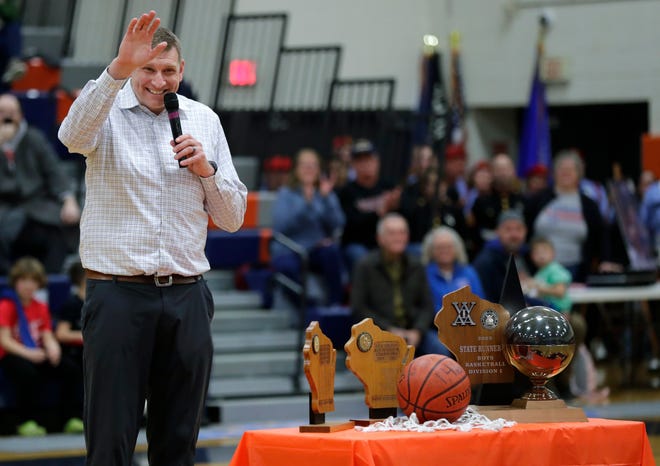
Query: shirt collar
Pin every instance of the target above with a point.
(126, 99)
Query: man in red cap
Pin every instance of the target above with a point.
(537, 179)
(454, 172)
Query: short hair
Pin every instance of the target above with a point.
(76, 273)
(570, 154)
(28, 267)
(510, 214)
(163, 34)
(459, 246)
(384, 218)
(539, 241)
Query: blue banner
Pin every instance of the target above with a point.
(535, 147)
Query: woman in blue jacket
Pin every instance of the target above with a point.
(308, 212)
(447, 268)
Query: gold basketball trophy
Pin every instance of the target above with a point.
(376, 357)
(320, 360)
(489, 339)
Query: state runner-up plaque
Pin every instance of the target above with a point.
(320, 360)
(376, 357)
(472, 329)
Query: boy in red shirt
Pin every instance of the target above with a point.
(29, 352)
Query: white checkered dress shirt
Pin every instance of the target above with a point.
(143, 214)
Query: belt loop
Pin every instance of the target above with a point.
(114, 279)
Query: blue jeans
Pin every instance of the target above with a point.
(324, 260)
(353, 252)
(432, 345)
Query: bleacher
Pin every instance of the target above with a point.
(258, 338)
(257, 369)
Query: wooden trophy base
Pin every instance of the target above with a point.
(366, 422)
(327, 427)
(528, 411)
(317, 423)
(376, 415)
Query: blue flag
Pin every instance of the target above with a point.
(535, 146)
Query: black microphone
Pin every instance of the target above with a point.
(172, 107)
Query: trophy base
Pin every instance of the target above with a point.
(327, 427)
(376, 415)
(529, 411)
(366, 422)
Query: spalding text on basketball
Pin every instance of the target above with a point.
(455, 399)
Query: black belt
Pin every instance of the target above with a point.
(157, 280)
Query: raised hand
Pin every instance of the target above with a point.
(135, 49)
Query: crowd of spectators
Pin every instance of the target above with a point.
(472, 201)
(39, 215)
(461, 224)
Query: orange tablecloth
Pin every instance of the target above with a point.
(597, 442)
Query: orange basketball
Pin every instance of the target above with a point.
(434, 387)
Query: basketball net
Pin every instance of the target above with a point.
(470, 419)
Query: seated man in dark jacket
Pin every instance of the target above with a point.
(36, 196)
(391, 288)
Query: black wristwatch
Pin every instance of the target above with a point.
(214, 165)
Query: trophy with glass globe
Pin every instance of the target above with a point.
(539, 342)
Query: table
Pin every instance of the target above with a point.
(581, 294)
(600, 295)
(596, 442)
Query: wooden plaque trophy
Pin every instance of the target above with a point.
(472, 329)
(376, 357)
(481, 336)
(320, 360)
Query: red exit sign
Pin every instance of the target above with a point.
(242, 73)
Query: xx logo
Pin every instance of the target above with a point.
(463, 310)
